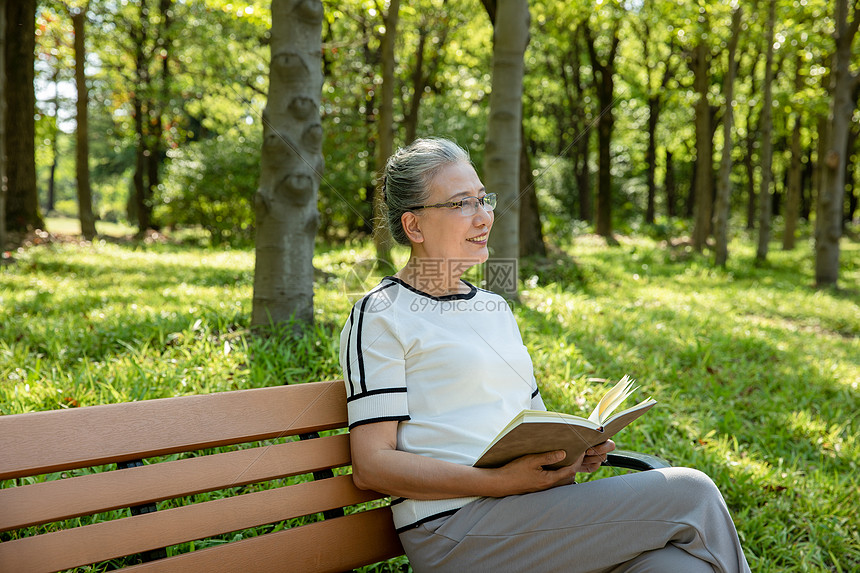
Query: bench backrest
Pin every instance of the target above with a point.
(60, 443)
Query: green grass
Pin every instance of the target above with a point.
(755, 371)
(69, 226)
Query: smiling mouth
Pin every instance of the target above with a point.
(479, 238)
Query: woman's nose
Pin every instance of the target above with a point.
(482, 216)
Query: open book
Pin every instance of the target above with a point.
(535, 431)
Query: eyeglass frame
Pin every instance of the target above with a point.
(481, 201)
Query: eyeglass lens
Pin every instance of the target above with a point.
(470, 204)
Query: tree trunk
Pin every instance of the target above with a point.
(850, 181)
(22, 198)
(531, 234)
(291, 167)
(670, 186)
(724, 187)
(141, 114)
(605, 81)
(704, 149)
(843, 81)
(822, 128)
(795, 171)
(807, 186)
(502, 151)
(371, 60)
(425, 72)
(651, 157)
(410, 121)
(751, 140)
(655, 104)
(579, 151)
(51, 199)
(583, 178)
(385, 142)
(82, 149)
(3, 4)
(765, 204)
(141, 203)
(152, 153)
(690, 205)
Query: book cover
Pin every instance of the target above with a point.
(536, 431)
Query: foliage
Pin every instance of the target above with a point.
(217, 58)
(756, 372)
(211, 183)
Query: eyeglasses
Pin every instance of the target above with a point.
(468, 205)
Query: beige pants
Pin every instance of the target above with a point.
(671, 520)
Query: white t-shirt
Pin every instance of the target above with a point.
(451, 370)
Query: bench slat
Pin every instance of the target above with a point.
(331, 546)
(44, 442)
(95, 493)
(107, 540)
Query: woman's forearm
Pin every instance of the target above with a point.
(404, 474)
(377, 464)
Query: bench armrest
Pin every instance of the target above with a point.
(634, 461)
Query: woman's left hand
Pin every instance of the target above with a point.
(594, 457)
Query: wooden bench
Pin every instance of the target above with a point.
(67, 440)
(59, 469)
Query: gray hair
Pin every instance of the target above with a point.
(409, 173)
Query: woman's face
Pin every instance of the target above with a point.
(447, 233)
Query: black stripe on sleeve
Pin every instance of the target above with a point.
(348, 350)
(536, 392)
(380, 419)
(361, 375)
(359, 353)
(376, 392)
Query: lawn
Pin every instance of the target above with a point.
(756, 372)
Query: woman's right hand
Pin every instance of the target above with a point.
(527, 474)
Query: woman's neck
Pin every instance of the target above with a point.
(436, 277)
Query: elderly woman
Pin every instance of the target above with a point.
(434, 367)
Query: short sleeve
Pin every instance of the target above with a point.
(373, 364)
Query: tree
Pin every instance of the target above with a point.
(656, 53)
(385, 128)
(55, 59)
(136, 53)
(291, 167)
(531, 235)
(794, 190)
(434, 27)
(502, 155)
(22, 200)
(3, 4)
(82, 134)
(765, 200)
(604, 73)
(723, 204)
(843, 82)
(704, 144)
(751, 140)
(558, 105)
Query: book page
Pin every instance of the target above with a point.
(612, 399)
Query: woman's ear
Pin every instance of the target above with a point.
(412, 225)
